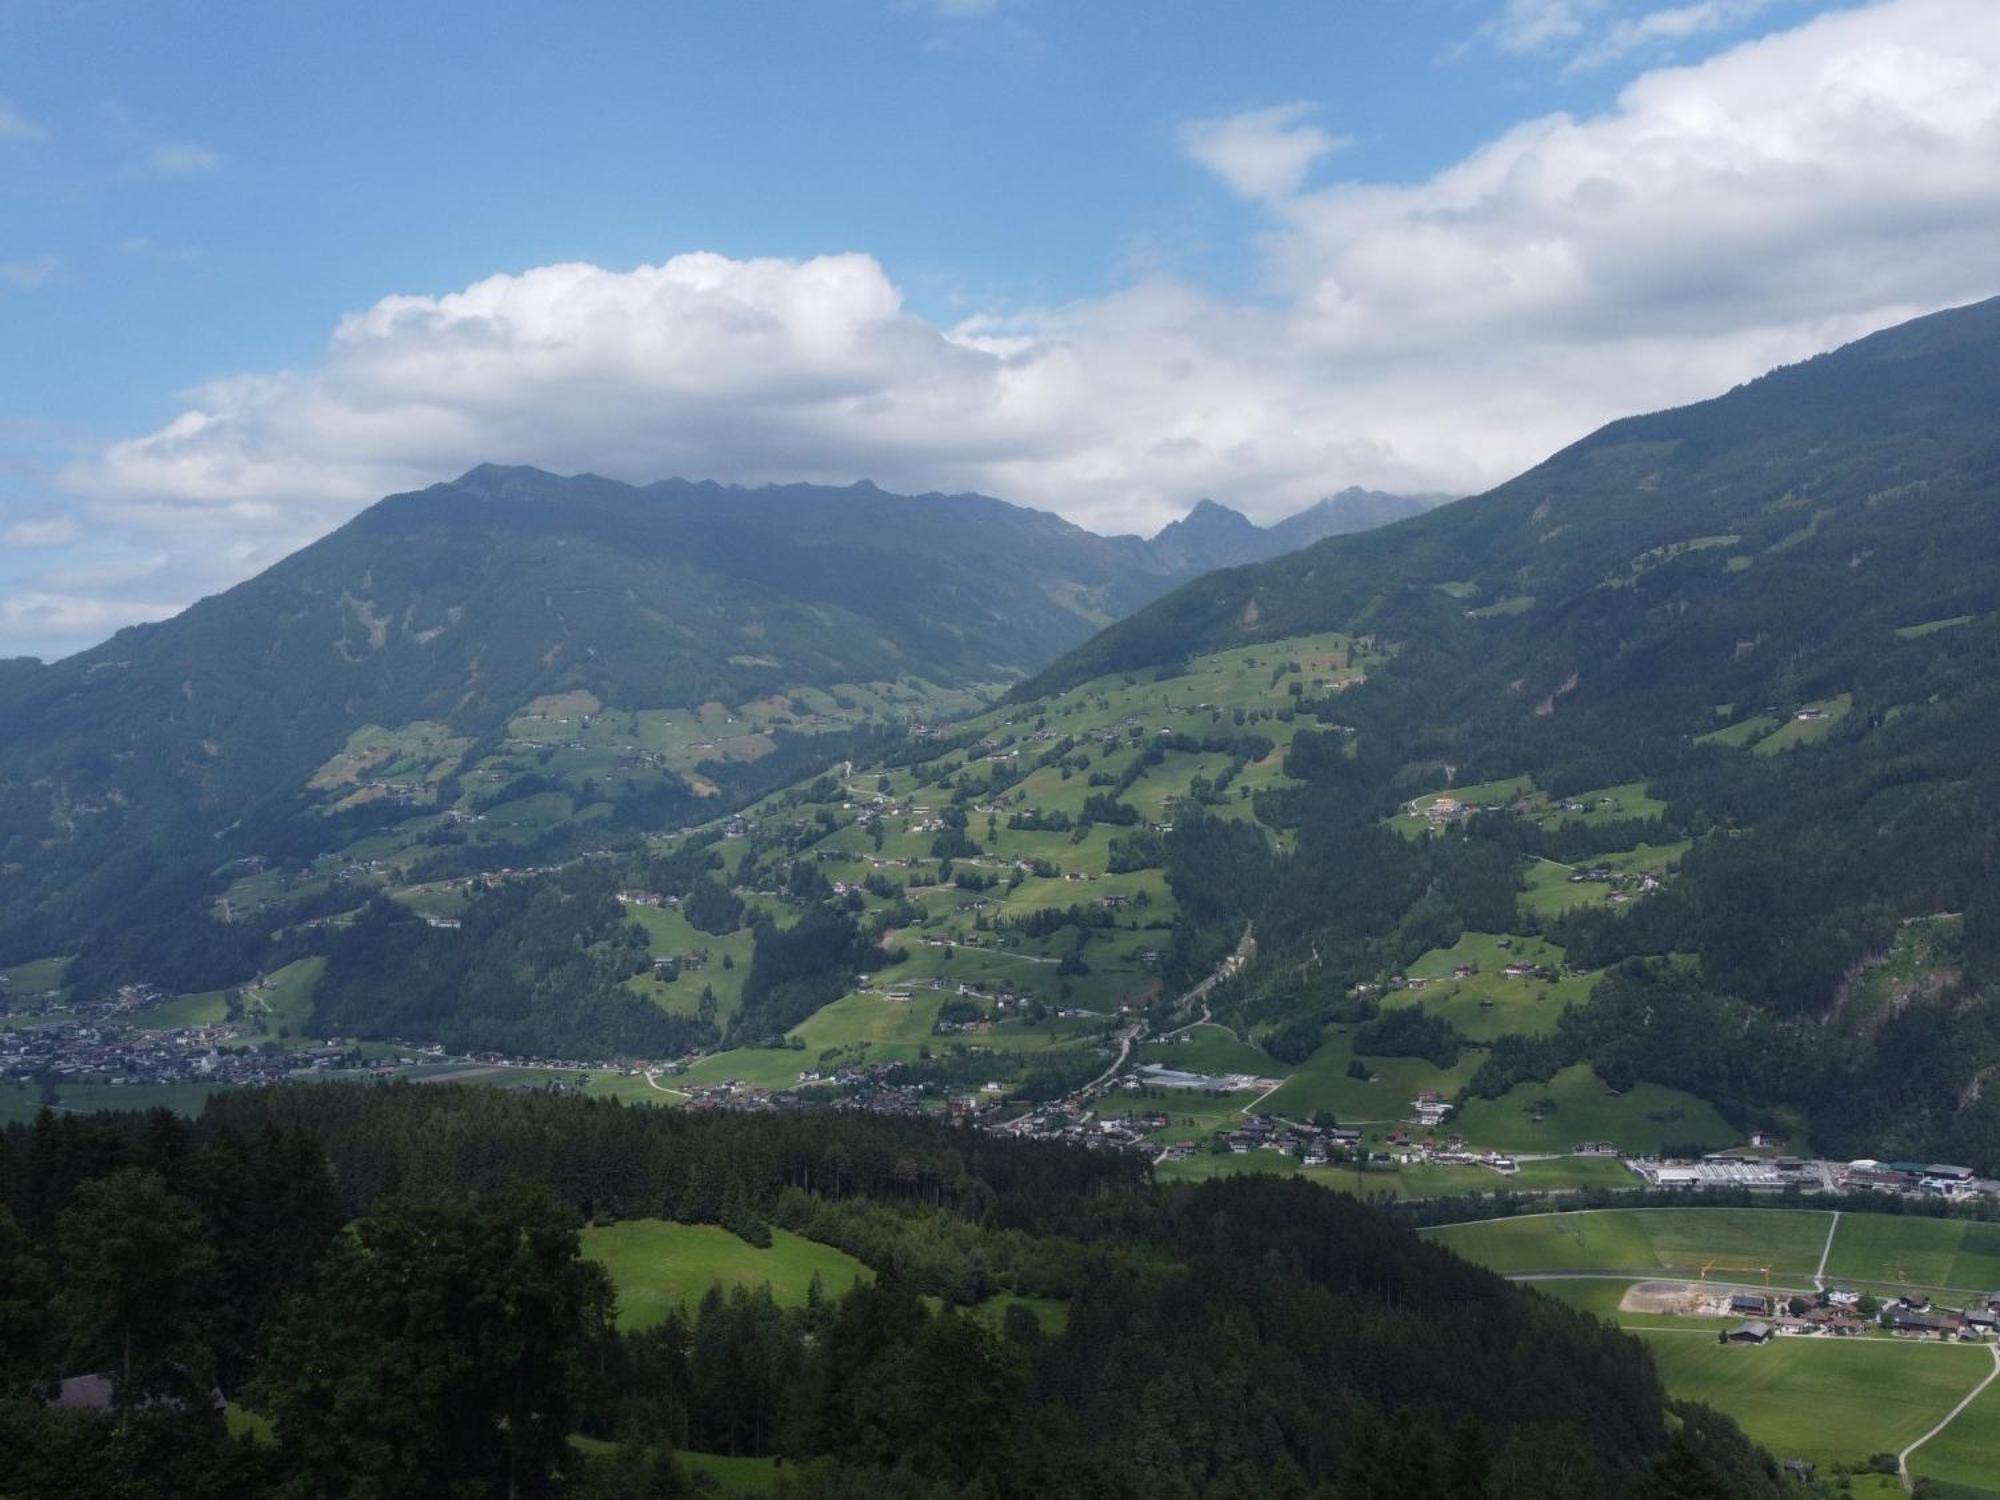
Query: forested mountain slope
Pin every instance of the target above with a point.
(1749, 647)
(684, 641)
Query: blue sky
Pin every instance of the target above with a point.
(1210, 222)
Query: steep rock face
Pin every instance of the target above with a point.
(1352, 509)
(1211, 536)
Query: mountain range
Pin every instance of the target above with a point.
(128, 771)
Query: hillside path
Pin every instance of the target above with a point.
(655, 1083)
(1819, 1276)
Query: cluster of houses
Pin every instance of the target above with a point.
(1843, 1312)
(97, 1051)
(1625, 885)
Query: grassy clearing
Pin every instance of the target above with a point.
(1931, 627)
(1605, 804)
(656, 1266)
(283, 1002)
(1896, 1250)
(1213, 1049)
(1575, 1106)
(40, 977)
(1743, 732)
(1549, 890)
(1733, 1244)
(1826, 1401)
(1323, 1081)
(671, 935)
(1490, 1003)
(1051, 1312)
(734, 1476)
(210, 1008)
(1813, 721)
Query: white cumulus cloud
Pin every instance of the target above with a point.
(1775, 200)
(1260, 153)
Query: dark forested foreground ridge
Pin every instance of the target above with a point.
(381, 1287)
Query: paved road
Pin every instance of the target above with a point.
(1131, 1036)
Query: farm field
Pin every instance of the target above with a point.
(1575, 1106)
(87, 1098)
(1826, 1401)
(1964, 1459)
(656, 1266)
(1735, 1244)
(1564, 1174)
(1902, 1250)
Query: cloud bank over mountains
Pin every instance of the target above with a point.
(1754, 208)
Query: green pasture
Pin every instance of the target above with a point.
(1827, 1401)
(1490, 1004)
(1796, 731)
(1963, 1461)
(1931, 627)
(1395, 1181)
(1322, 1082)
(1734, 1244)
(748, 1477)
(1549, 890)
(1905, 1250)
(1605, 804)
(41, 976)
(1576, 1106)
(209, 1008)
(1515, 604)
(671, 935)
(1209, 1048)
(89, 1098)
(656, 1266)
